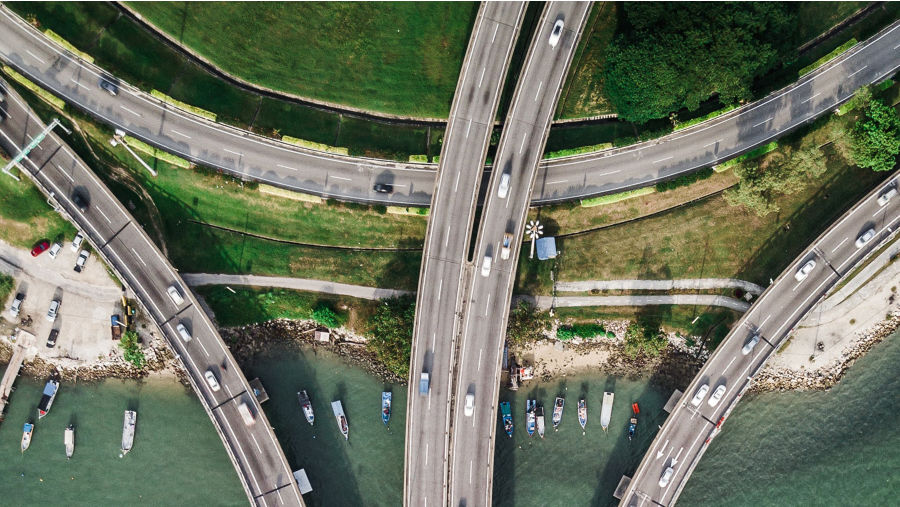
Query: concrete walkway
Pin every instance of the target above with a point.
(344, 289)
(677, 299)
(660, 285)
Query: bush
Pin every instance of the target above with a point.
(6, 286)
(131, 349)
(324, 315)
(643, 339)
(392, 327)
(876, 137)
(526, 324)
(685, 180)
(584, 330)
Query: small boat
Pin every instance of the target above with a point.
(338, 410)
(128, 430)
(606, 410)
(582, 413)
(27, 430)
(386, 407)
(70, 440)
(558, 406)
(632, 424)
(506, 416)
(529, 416)
(49, 394)
(306, 406)
(540, 420)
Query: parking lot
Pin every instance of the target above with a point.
(87, 299)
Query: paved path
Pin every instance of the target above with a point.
(677, 299)
(343, 289)
(684, 284)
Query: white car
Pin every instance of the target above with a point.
(175, 295)
(504, 246)
(716, 396)
(17, 305)
(54, 250)
(185, 334)
(887, 196)
(701, 393)
(211, 380)
(556, 33)
(53, 311)
(76, 243)
(470, 404)
(748, 347)
(666, 476)
(804, 271)
(82, 258)
(865, 238)
(486, 265)
(503, 187)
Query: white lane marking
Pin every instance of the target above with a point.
(662, 160)
(36, 57)
(241, 450)
(440, 286)
(341, 178)
(102, 213)
(468, 128)
(287, 167)
(32, 139)
(229, 391)
(482, 76)
(717, 141)
(73, 179)
(456, 186)
(138, 256)
(767, 120)
(200, 342)
(729, 365)
(487, 304)
(177, 133)
(479, 358)
(877, 233)
(255, 442)
(129, 110)
(839, 244)
(77, 83)
(764, 322)
(426, 454)
(795, 286)
(232, 152)
(496, 27)
(814, 96)
(557, 181)
(433, 339)
(879, 211)
(522, 146)
(470, 471)
(798, 307)
(446, 237)
(897, 46)
(859, 70)
(538, 92)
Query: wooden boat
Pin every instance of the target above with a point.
(70, 440)
(582, 412)
(386, 407)
(506, 417)
(306, 406)
(341, 419)
(128, 426)
(558, 406)
(539, 411)
(606, 410)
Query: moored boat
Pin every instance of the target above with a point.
(506, 416)
(306, 406)
(49, 394)
(27, 430)
(70, 440)
(582, 412)
(539, 411)
(558, 406)
(341, 419)
(386, 406)
(632, 424)
(128, 430)
(529, 416)
(606, 410)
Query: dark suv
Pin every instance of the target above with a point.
(384, 188)
(51, 340)
(79, 202)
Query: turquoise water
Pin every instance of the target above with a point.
(836, 448)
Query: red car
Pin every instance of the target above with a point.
(39, 248)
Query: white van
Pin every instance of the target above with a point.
(246, 414)
(183, 332)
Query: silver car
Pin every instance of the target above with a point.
(865, 237)
(470, 404)
(716, 396)
(887, 196)
(53, 311)
(17, 305)
(76, 243)
(486, 265)
(751, 343)
(804, 271)
(666, 477)
(54, 250)
(503, 187)
(701, 393)
(556, 33)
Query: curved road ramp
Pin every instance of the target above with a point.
(164, 297)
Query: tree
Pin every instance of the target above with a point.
(131, 349)
(875, 142)
(526, 324)
(644, 339)
(392, 328)
(325, 316)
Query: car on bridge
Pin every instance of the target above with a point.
(865, 237)
(701, 393)
(108, 86)
(185, 334)
(211, 380)
(556, 33)
(423, 383)
(504, 246)
(887, 196)
(751, 343)
(486, 265)
(666, 477)
(174, 295)
(503, 186)
(716, 396)
(470, 404)
(804, 271)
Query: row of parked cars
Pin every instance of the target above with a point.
(52, 313)
(54, 250)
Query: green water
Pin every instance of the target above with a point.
(836, 448)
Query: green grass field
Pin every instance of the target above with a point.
(395, 57)
(25, 216)
(582, 93)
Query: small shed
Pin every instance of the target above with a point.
(546, 248)
(302, 481)
(323, 335)
(258, 390)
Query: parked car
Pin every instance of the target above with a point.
(887, 196)
(383, 188)
(51, 340)
(666, 477)
(751, 343)
(716, 396)
(53, 311)
(556, 33)
(40, 247)
(503, 186)
(173, 293)
(470, 404)
(504, 246)
(804, 270)
(17, 305)
(865, 237)
(80, 202)
(54, 250)
(701, 393)
(82, 258)
(76, 243)
(211, 380)
(109, 86)
(486, 265)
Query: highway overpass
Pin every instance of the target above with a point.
(489, 289)
(442, 275)
(687, 432)
(250, 156)
(121, 242)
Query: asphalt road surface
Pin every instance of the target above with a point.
(254, 450)
(446, 248)
(687, 432)
(488, 299)
(254, 157)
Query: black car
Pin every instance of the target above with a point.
(384, 188)
(110, 88)
(51, 340)
(79, 202)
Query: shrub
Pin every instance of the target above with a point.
(391, 327)
(685, 180)
(131, 349)
(526, 323)
(583, 330)
(324, 315)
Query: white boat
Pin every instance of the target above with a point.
(128, 430)
(540, 420)
(306, 406)
(27, 430)
(606, 410)
(70, 440)
(338, 410)
(558, 406)
(529, 416)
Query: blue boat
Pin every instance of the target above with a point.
(529, 416)
(506, 415)
(49, 394)
(27, 430)
(385, 407)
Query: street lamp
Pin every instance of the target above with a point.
(534, 229)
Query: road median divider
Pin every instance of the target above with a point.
(303, 143)
(621, 196)
(289, 194)
(55, 37)
(40, 92)
(154, 152)
(183, 106)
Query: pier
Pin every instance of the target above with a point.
(22, 340)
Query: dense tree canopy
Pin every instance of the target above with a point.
(675, 55)
(876, 137)
(392, 329)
